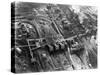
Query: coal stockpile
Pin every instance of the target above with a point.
(52, 37)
